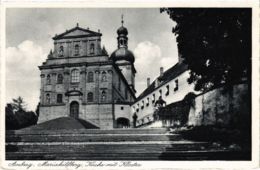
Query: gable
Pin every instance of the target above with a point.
(76, 32)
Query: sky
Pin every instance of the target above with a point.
(29, 33)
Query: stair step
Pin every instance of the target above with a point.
(92, 137)
(90, 131)
(93, 147)
(177, 155)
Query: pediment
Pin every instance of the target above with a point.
(76, 32)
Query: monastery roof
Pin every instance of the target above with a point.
(76, 32)
(167, 76)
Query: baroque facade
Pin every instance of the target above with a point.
(80, 80)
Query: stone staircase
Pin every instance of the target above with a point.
(116, 144)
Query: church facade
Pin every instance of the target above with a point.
(80, 80)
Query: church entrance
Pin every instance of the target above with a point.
(74, 109)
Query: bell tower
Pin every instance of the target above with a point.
(123, 57)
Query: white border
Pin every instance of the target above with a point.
(151, 4)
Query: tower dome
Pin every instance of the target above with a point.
(122, 53)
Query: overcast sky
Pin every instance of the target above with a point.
(29, 35)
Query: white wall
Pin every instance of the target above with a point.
(183, 89)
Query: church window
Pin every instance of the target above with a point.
(60, 79)
(59, 98)
(48, 99)
(90, 77)
(76, 50)
(167, 90)
(75, 76)
(104, 76)
(61, 51)
(103, 96)
(48, 79)
(92, 48)
(176, 85)
(90, 97)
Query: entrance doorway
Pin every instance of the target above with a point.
(123, 123)
(74, 109)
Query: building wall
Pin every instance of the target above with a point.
(145, 109)
(220, 106)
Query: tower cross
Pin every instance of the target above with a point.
(122, 19)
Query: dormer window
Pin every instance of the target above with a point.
(76, 50)
(153, 98)
(160, 92)
(167, 90)
(142, 107)
(147, 104)
(176, 85)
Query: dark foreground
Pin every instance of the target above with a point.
(118, 144)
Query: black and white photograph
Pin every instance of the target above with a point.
(128, 84)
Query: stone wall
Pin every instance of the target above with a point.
(221, 106)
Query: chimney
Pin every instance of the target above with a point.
(148, 82)
(161, 71)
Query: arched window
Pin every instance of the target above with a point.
(90, 77)
(104, 76)
(48, 79)
(76, 49)
(59, 79)
(103, 96)
(48, 99)
(92, 48)
(61, 51)
(59, 98)
(90, 97)
(75, 76)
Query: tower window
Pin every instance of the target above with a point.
(61, 51)
(59, 98)
(48, 79)
(75, 76)
(76, 50)
(122, 108)
(90, 77)
(90, 97)
(59, 79)
(103, 96)
(48, 99)
(92, 48)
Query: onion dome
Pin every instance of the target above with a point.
(122, 31)
(122, 53)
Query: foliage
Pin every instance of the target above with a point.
(18, 104)
(16, 117)
(215, 43)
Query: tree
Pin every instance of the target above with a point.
(214, 43)
(18, 104)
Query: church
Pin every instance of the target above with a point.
(80, 80)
